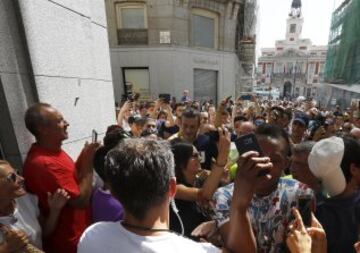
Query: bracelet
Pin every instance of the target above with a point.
(218, 165)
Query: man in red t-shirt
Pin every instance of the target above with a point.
(48, 168)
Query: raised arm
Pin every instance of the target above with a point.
(56, 202)
(237, 233)
(121, 116)
(85, 175)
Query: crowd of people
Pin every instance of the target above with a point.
(168, 177)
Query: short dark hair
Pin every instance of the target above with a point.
(303, 147)
(191, 114)
(149, 104)
(99, 160)
(178, 105)
(276, 132)
(113, 137)
(240, 118)
(139, 172)
(34, 117)
(351, 156)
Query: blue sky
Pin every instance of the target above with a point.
(273, 15)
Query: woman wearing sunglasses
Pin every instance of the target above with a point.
(196, 186)
(20, 229)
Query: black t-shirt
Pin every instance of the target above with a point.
(340, 219)
(170, 130)
(190, 216)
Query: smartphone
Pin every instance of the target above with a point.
(245, 97)
(94, 136)
(165, 98)
(214, 135)
(130, 96)
(248, 143)
(305, 208)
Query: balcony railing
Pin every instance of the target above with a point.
(132, 36)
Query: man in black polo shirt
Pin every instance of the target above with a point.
(189, 128)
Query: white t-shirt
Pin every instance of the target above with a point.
(112, 237)
(25, 218)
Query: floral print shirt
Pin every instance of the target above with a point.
(270, 215)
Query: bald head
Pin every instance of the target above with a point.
(246, 127)
(35, 116)
(355, 132)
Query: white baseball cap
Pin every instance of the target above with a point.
(325, 163)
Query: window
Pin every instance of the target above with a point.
(205, 85)
(302, 48)
(138, 81)
(132, 23)
(165, 37)
(308, 92)
(292, 28)
(205, 28)
(291, 39)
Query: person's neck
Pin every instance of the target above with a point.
(190, 179)
(53, 146)
(267, 191)
(156, 219)
(315, 186)
(177, 121)
(7, 207)
(296, 139)
(350, 189)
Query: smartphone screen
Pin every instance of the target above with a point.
(305, 208)
(247, 143)
(246, 97)
(94, 136)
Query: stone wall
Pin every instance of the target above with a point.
(68, 59)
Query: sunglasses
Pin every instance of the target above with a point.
(196, 156)
(12, 177)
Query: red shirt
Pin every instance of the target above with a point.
(46, 171)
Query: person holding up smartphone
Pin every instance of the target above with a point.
(271, 200)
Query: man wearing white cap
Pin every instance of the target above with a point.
(336, 162)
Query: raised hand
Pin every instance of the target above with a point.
(58, 199)
(298, 240)
(250, 166)
(318, 236)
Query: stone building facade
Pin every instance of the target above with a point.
(295, 66)
(55, 52)
(167, 46)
